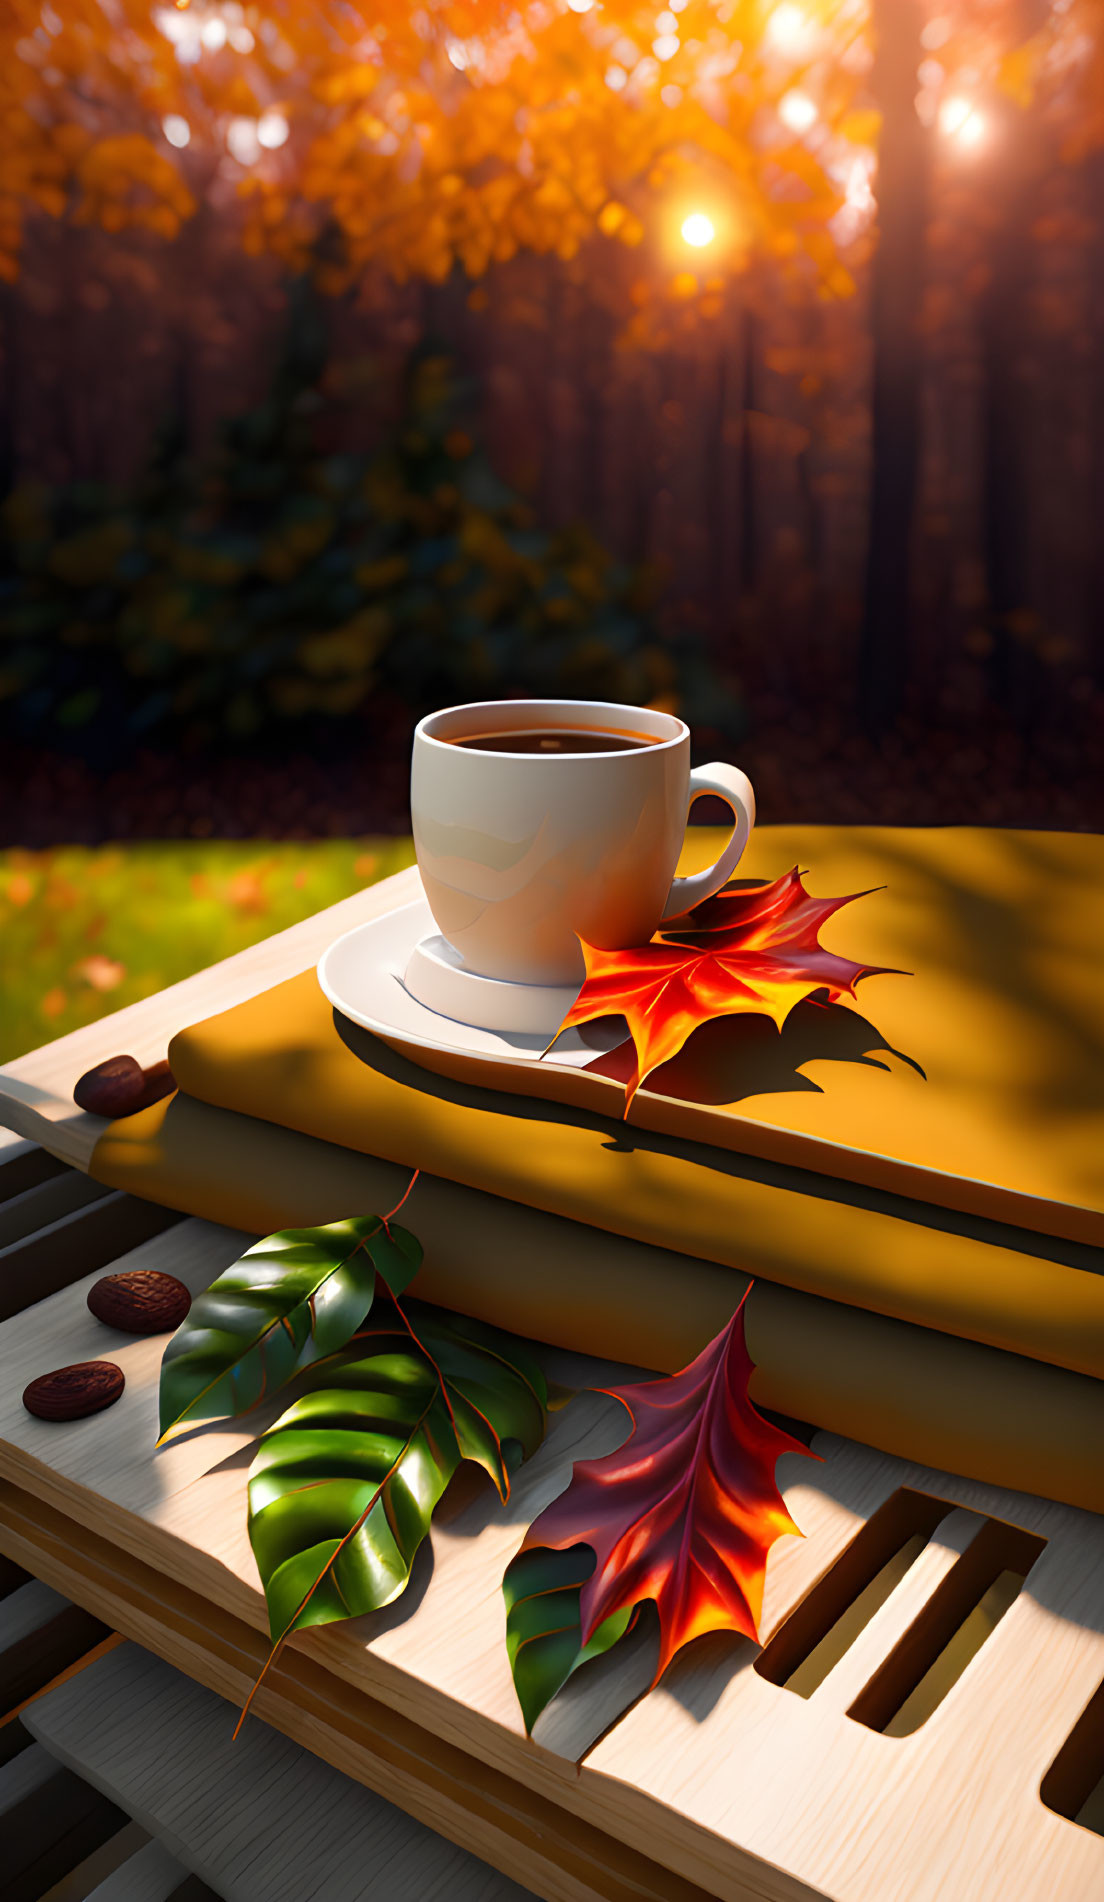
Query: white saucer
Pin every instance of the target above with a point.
(362, 975)
(437, 977)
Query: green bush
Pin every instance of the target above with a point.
(272, 585)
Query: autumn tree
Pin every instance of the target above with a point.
(454, 133)
(703, 138)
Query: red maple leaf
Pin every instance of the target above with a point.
(756, 951)
(687, 1509)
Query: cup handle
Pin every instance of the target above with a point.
(735, 787)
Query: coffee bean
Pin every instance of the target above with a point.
(144, 1301)
(71, 1392)
(120, 1087)
(114, 1088)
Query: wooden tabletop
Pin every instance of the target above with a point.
(930, 1645)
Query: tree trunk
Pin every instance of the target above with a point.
(1010, 188)
(1094, 601)
(1005, 513)
(9, 383)
(749, 511)
(714, 419)
(896, 291)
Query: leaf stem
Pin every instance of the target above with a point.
(340, 1547)
(447, 1398)
(271, 1659)
(386, 1218)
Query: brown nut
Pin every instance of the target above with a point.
(114, 1088)
(159, 1081)
(145, 1301)
(71, 1392)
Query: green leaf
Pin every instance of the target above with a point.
(343, 1487)
(544, 1639)
(290, 1300)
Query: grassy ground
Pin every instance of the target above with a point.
(84, 931)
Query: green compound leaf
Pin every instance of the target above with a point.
(290, 1300)
(544, 1639)
(343, 1487)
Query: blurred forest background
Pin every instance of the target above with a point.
(357, 360)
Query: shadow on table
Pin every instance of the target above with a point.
(732, 1059)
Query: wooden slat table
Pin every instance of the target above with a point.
(827, 1765)
(258, 1819)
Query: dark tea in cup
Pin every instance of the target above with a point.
(552, 740)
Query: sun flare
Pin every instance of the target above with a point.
(698, 230)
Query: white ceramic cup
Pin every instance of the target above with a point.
(522, 854)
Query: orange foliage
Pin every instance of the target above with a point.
(418, 138)
(458, 132)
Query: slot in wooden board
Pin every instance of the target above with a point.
(41, 1634)
(100, 1867)
(45, 1202)
(151, 1874)
(23, 1164)
(87, 1237)
(49, 1822)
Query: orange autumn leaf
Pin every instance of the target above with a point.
(686, 1510)
(755, 951)
(246, 891)
(103, 974)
